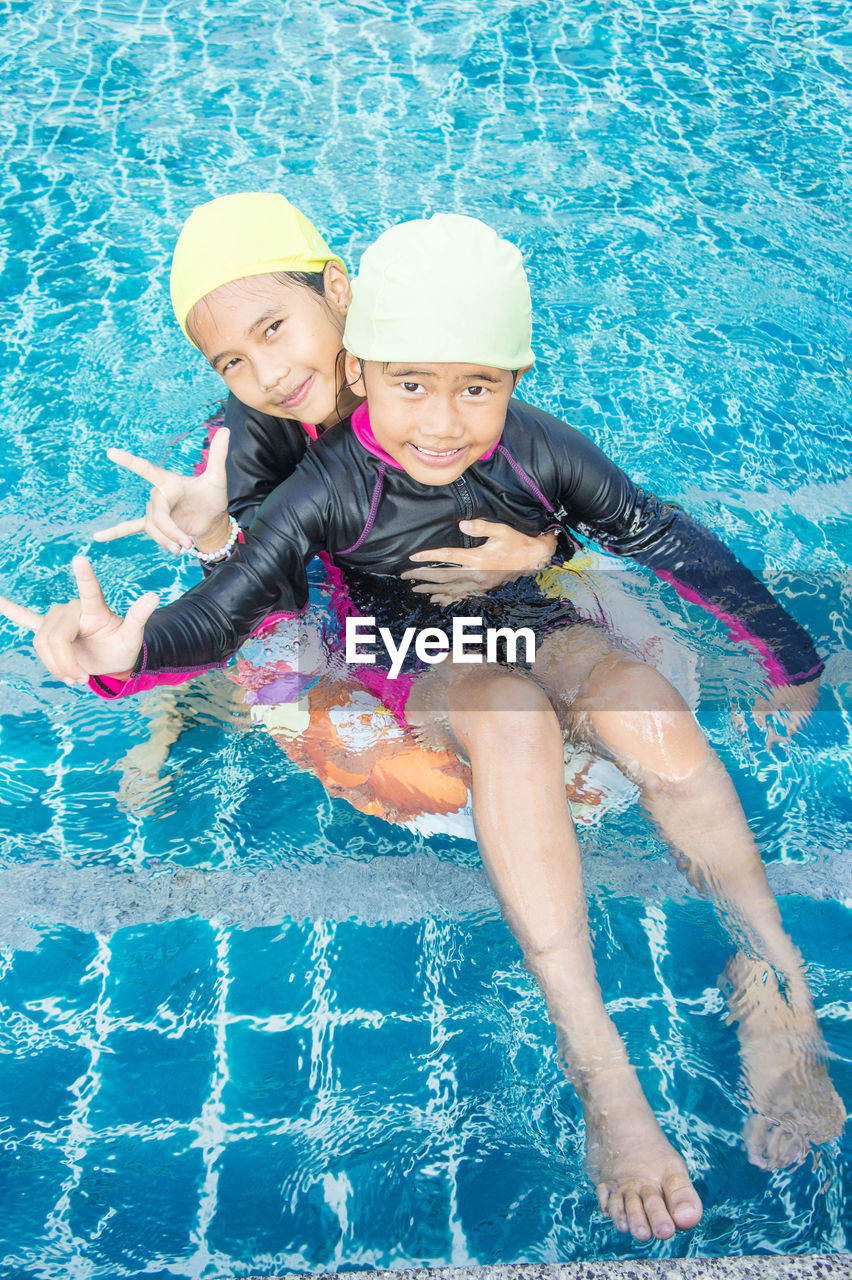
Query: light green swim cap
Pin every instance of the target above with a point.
(444, 290)
(250, 233)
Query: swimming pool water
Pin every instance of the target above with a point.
(246, 1028)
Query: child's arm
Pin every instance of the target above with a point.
(464, 572)
(600, 501)
(702, 569)
(84, 637)
(264, 578)
(247, 459)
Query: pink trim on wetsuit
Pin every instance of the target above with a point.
(776, 671)
(392, 692)
(112, 687)
(364, 435)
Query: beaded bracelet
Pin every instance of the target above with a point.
(212, 557)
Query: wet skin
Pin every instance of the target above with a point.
(277, 345)
(435, 420)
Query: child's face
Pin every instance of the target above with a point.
(435, 420)
(276, 345)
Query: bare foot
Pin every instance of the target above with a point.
(794, 1105)
(642, 1183)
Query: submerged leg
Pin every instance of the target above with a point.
(141, 766)
(643, 723)
(794, 1105)
(508, 730)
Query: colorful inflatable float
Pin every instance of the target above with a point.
(344, 735)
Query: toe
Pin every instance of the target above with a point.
(683, 1202)
(637, 1219)
(662, 1224)
(615, 1209)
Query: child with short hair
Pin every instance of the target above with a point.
(437, 335)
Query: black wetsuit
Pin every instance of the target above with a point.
(370, 515)
(262, 452)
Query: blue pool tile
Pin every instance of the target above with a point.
(27, 811)
(475, 1048)
(268, 1073)
(505, 1191)
(398, 1199)
(821, 928)
(377, 967)
(466, 957)
(621, 947)
(147, 1076)
(163, 973)
(630, 942)
(31, 1181)
(271, 1202)
(137, 1200)
(55, 979)
(389, 1060)
(35, 1085)
(271, 970)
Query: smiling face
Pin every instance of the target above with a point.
(435, 420)
(276, 345)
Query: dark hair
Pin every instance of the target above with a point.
(314, 280)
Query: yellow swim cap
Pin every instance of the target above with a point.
(444, 290)
(247, 234)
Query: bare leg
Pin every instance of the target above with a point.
(642, 722)
(140, 782)
(507, 728)
(794, 1105)
(211, 695)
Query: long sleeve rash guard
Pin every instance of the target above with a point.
(348, 498)
(262, 452)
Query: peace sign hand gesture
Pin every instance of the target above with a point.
(84, 637)
(180, 508)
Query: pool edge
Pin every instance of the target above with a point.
(828, 1266)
